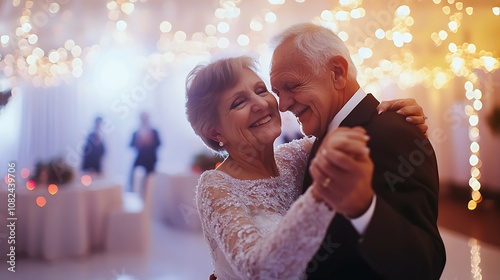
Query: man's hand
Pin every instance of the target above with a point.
(407, 107)
(342, 172)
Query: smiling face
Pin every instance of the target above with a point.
(313, 99)
(248, 113)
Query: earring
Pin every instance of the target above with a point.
(221, 144)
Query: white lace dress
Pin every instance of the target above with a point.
(263, 229)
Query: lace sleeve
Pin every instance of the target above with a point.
(282, 254)
(296, 152)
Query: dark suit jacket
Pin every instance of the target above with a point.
(402, 239)
(146, 155)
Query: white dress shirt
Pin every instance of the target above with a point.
(361, 222)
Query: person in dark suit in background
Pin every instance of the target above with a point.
(94, 149)
(146, 141)
(384, 231)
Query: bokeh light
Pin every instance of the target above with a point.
(41, 201)
(86, 180)
(52, 189)
(30, 185)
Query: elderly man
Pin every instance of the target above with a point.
(384, 231)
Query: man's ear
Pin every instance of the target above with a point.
(338, 67)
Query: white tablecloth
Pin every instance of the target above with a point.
(174, 200)
(72, 223)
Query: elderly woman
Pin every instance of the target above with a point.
(255, 219)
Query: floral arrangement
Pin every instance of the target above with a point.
(203, 162)
(55, 171)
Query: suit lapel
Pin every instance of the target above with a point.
(362, 113)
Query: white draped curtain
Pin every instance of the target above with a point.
(48, 122)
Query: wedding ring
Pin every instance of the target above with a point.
(326, 182)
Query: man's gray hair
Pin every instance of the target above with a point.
(318, 44)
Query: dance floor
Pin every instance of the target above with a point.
(177, 255)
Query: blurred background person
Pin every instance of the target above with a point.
(94, 149)
(146, 142)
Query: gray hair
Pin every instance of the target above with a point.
(318, 44)
(204, 84)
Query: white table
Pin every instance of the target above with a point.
(174, 200)
(72, 223)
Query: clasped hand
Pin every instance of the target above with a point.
(342, 171)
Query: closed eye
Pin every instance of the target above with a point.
(237, 103)
(261, 91)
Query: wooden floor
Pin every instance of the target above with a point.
(483, 223)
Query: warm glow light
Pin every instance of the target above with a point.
(165, 26)
(380, 34)
(127, 7)
(223, 43)
(342, 15)
(365, 53)
(54, 57)
(26, 27)
(223, 27)
(54, 8)
(478, 105)
(270, 17)
(327, 15)
(473, 160)
(86, 180)
(474, 147)
(343, 35)
(256, 25)
(210, 29)
(180, 36)
(25, 173)
(407, 37)
(121, 25)
(30, 185)
(452, 47)
(472, 205)
(496, 11)
(473, 120)
(4, 39)
(243, 40)
(474, 133)
(476, 196)
(403, 11)
(475, 172)
(52, 189)
(397, 37)
(41, 201)
(443, 35)
(358, 13)
(32, 39)
(453, 26)
(276, 2)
